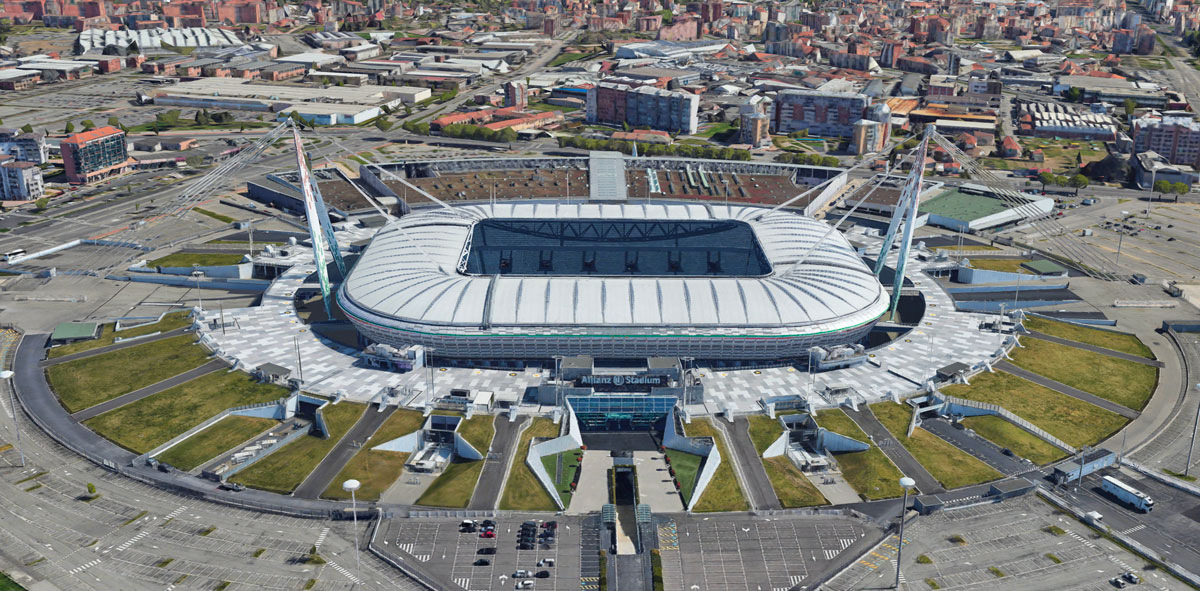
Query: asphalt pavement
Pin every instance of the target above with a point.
(152, 389)
(1062, 388)
(322, 476)
(759, 491)
(491, 479)
(982, 449)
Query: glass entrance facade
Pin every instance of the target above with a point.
(620, 412)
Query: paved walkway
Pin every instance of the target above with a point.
(1094, 349)
(892, 447)
(759, 491)
(152, 389)
(322, 476)
(491, 479)
(1062, 388)
(114, 347)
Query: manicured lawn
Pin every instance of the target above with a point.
(870, 472)
(169, 322)
(1075, 422)
(567, 58)
(154, 420)
(686, 466)
(791, 486)
(7, 584)
(1125, 343)
(715, 129)
(723, 492)
(570, 461)
(204, 259)
(455, 486)
(285, 469)
(1007, 265)
(214, 215)
(523, 491)
(84, 383)
(375, 469)
(1124, 382)
(478, 431)
(211, 442)
(764, 431)
(949, 465)
(1021, 442)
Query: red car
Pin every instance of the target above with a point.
(487, 534)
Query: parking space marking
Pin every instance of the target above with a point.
(131, 541)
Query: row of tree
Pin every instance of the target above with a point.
(683, 150)
(1075, 181)
(1169, 187)
(809, 159)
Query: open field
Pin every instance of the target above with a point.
(454, 487)
(211, 442)
(377, 469)
(566, 58)
(204, 259)
(1124, 382)
(478, 431)
(791, 486)
(951, 466)
(723, 492)
(686, 466)
(86, 382)
(1125, 343)
(870, 472)
(764, 431)
(570, 461)
(1075, 422)
(523, 492)
(1021, 442)
(154, 420)
(285, 469)
(169, 322)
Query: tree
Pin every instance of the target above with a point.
(1162, 186)
(1180, 188)
(194, 161)
(69, 128)
(202, 117)
(40, 204)
(27, 128)
(382, 124)
(88, 125)
(1130, 106)
(155, 126)
(1073, 94)
(1078, 159)
(242, 127)
(114, 121)
(830, 161)
(1046, 178)
(1078, 182)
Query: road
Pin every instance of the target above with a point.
(354, 440)
(491, 479)
(1076, 393)
(890, 446)
(759, 491)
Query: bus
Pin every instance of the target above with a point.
(1127, 494)
(9, 256)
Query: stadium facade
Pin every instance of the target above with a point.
(531, 280)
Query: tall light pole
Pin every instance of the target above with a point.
(12, 400)
(351, 486)
(905, 483)
(1190, 447)
(197, 274)
(558, 380)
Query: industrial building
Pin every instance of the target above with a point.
(325, 106)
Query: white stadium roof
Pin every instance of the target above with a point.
(409, 273)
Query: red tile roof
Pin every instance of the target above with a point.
(87, 136)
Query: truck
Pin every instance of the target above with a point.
(1127, 494)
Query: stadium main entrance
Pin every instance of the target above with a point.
(622, 422)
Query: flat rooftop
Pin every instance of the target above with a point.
(955, 204)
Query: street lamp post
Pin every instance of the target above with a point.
(558, 380)
(12, 401)
(351, 486)
(197, 274)
(1196, 424)
(905, 483)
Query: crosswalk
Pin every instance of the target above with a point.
(463, 582)
(831, 553)
(131, 541)
(408, 549)
(321, 537)
(80, 569)
(345, 573)
(1134, 529)
(174, 514)
(1081, 539)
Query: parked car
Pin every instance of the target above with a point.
(482, 562)
(489, 550)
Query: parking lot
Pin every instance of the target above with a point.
(738, 552)
(1021, 544)
(446, 553)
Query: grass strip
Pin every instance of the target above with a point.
(870, 472)
(214, 215)
(454, 487)
(791, 486)
(152, 421)
(952, 467)
(523, 491)
(723, 492)
(1076, 423)
(377, 469)
(203, 259)
(108, 334)
(216, 439)
(478, 431)
(86, 382)
(687, 467)
(571, 465)
(285, 469)
(1125, 343)
(1021, 442)
(763, 431)
(1124, 382)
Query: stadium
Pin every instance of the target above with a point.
(609, 277)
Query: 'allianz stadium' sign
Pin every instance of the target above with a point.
(623, 383)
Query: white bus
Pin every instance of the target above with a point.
(1127, 494)
(9, 256)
